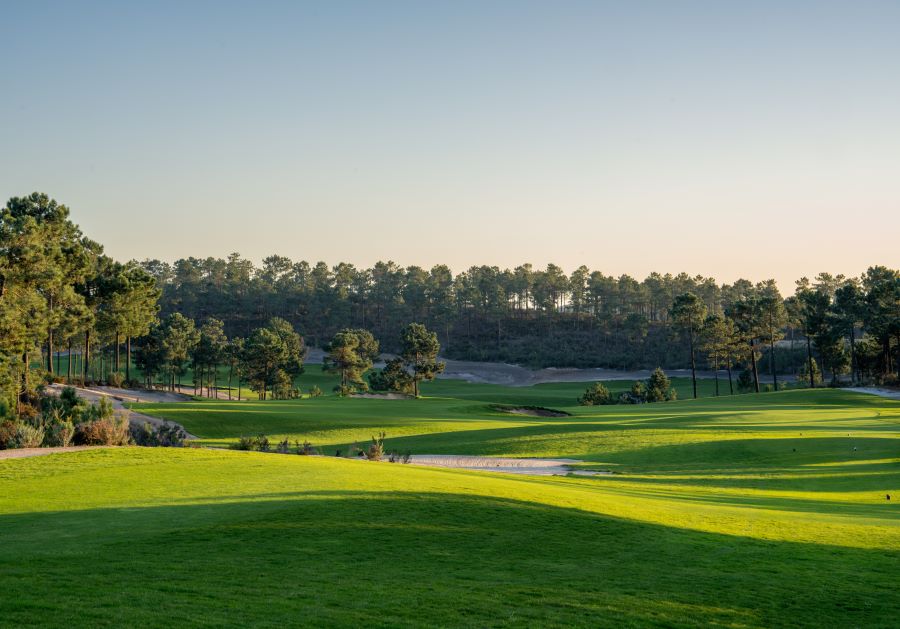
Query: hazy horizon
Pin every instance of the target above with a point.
(724, 140)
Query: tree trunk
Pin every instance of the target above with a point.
(772, 362)
(730, 381)
(117, 351)
(86, 359)
(230, 374)
(716, 371)
(128, 358)
(753, 363)
(853, 375)
(50, 351)
(69, 367)
(809, 362)
(693, 362)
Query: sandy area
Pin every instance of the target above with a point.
(382, 396)
(888, 393)
(518, 376)
(533, 467)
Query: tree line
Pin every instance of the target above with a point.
(68, 311)
(545, 317)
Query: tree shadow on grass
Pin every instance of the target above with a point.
(351, 558)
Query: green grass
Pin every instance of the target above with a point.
(746, 511)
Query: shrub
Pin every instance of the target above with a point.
(306, 448)
(7, 430)
(745, 381)
(803, 374)
(59, 433)
(315, 391)
(107, 431)
(595, 395)
(659, 388)
(20, 435)
(262, 443)
(115, 379)
(376, 448)
(283, 447)
(244, 443)
(163, 436)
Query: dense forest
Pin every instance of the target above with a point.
(541, 317)
(69, 312)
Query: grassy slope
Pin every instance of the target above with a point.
(747, 511)
(163, 537)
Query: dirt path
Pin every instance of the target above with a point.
(888, 393)
(24, 453)
(119, 397)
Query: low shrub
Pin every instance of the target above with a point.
(244, 443)
(59, 433)
(163, 436)
(16, 434)
(283, 447)
(115, 379)
(307, 449)
(376, 448)
(315, 391)
(262, 443)
(107, 431)
(595, 395)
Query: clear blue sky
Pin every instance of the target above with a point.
(755, 139)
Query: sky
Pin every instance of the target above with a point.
(724, 138)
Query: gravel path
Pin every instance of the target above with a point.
(23, 453)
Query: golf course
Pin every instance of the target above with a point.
(741, 511)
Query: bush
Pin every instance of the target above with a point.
(59, 433)
(315, 391)
(107, 431)
(20, 435)
(164, 436)
(745, 381)
(803, 374)
(595, 395)
(283, 447)
(244, 443)
(115, 379)
(659, 388)
(376, 448)
(306, 448)
(262, 443)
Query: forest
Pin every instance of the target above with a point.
(69, 312)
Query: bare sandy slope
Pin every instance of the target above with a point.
(518, 376)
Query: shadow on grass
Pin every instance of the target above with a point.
(412, 559)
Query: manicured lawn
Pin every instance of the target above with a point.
(754, 511)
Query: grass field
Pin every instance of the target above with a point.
(757, 511)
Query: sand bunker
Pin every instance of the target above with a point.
(532, 411)
(382, 396)
(534, 467)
